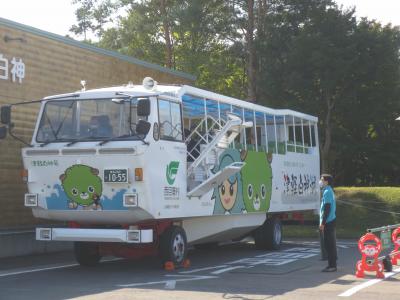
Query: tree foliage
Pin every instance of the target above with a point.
(308, 55)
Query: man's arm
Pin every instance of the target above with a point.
(327, 209)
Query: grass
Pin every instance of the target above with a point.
(358, 208)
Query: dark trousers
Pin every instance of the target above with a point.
(330, 242)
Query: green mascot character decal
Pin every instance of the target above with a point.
(257, 180)
(83, 187)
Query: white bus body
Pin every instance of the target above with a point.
(213, 165)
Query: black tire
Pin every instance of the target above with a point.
(269, 235)
(387, 264)
(173, 245)
(206, 246)
(87, 253)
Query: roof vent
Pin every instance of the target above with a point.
(83, 84)
(149, 83)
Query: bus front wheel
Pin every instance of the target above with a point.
(173, 245)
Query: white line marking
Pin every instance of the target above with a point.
(202, 269)
(226, 270)
(37, 270)
(3, 274)
(366, 284)
(192, 278)
(170, 284)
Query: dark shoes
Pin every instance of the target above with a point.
(330, 269)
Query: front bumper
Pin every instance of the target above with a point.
(95, 235)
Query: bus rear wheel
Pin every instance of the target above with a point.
(173, 245)
(269, 235)
(87, 253)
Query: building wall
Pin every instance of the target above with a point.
(53, 65)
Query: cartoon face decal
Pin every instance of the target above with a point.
(257, 180)
(83, 186)
(228, 195)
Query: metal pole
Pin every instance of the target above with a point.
(244, 131)
(205, 117)
(255, 129)
(383, 228)
(266, 133)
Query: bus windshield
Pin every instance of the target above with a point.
(91, 120)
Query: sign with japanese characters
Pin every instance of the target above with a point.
(14, 69)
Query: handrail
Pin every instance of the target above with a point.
(383, 228)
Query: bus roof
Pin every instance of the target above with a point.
(189, 90)
(179, 91)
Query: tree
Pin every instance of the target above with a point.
(310, 71)
(190, 36)
(310, 56)
(319, 60)
(92, 15)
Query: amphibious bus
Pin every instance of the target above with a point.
(144, 169)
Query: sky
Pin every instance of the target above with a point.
(57, 16)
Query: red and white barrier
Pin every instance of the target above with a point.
(368, 252)
(395, 254)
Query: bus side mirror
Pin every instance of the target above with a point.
(143, 127)
(5, 115)
(3, 132)
(143, 107)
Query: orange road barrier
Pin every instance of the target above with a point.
(395, 254)
(370, 253)
(169, 266)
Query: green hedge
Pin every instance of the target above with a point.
(358, 208)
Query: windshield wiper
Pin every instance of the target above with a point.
(46, 143)
(83, 139)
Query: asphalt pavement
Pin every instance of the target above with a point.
(231, 271)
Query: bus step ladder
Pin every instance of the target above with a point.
(234, 124)
(216, 179)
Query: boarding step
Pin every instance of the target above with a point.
(216, 179)
(234, 131)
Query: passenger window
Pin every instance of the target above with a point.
(170, 120)
(280, 134)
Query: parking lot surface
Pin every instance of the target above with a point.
(230, 271)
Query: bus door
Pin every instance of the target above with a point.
(168, 156)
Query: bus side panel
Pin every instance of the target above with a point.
(295, 182)
(247, 191)
(166, 178)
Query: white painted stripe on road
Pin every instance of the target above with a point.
(37, 270)
(192, 278)
(202, 269)
(368, 283)
(226, 270)
(26, 271)
(170, 284)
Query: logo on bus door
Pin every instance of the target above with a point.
(171, 171)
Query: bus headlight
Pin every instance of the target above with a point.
(130, 200)
(43, 234)
(31, 200)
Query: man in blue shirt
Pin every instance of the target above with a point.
(327, 220)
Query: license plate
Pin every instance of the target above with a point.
(116, 175)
